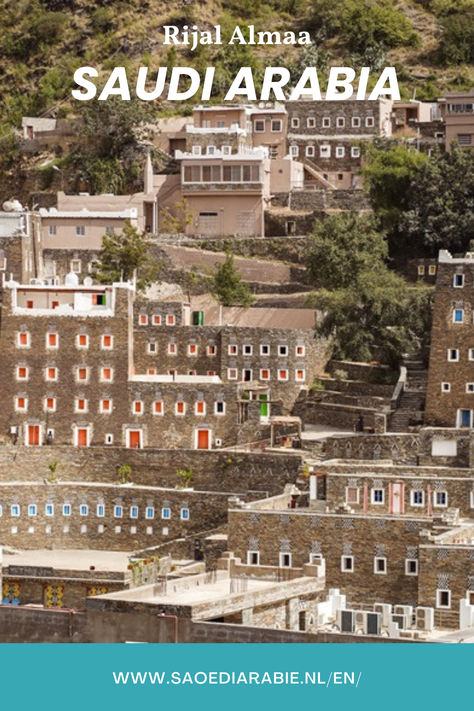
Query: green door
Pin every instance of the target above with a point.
(263, 405)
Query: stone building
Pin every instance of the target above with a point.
(451, 373)
(327, 137)
(457, 108)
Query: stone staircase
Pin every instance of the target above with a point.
(411, 406)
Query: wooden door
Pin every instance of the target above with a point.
(82, 437)
(33, 435)
(203, 439)
(134, 439)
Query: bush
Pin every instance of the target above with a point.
(340, 374)
(457, 39)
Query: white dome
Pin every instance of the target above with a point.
(71, 279)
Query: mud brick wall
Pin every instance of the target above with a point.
(445, 568)
(334, 535)
(13, 251)
(109, 532)
(63, 258)
(75, 592)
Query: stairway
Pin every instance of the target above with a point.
(411, 405)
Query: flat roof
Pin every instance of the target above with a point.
(105, 561)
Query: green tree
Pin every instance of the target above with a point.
(343, 246)
(227, 285)
(440, 211)
(125, 255)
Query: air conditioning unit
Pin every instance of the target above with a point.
(403, 610)
(361, 619)
(51, 281)
(36, 282)
(218, 442)
(346, 620)
(424, 618)
(373, 623)
(385, 610)
(403, 622)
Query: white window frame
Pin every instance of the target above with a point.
(309, 151)
(100, 510)
(280, 126)
(83, 510)
(455, 277)
(283, 351)
(355, 122)
(438, 505)
(456, 358)
(49, 347)
(149, 513)
(166, 509)
(281, 558)
(134, 511)
(182, 515)
(469, 388)
(344, 569)
(78, 344)
(438, 599)
(28, 339)
(32, 510)
(369, 121)
(325, 151)
(326, 122)
(357, 489)
(172, 349)
(153, 410)
(102, 342)
(200, 414)
(67, 509)
(377, 559)
(261, 376)
(49, 510)
(295, 122)
(17, 407)
(372, 496)
(180, 414)
(303, 377)
(143, 319)
(250, 555)
(294, 151)
(340, 151)
(408, 562)
(445, 387)
(340, 122)
(245, 347)
(232, 349)
(455, 311)
(15, 511)
(223, 403)
(413, 493)
(19, 377)
(232, 374)
(259, 130)
(102, 409)
(45, 403)
(196, 350)
(262, 347)
(286, 377)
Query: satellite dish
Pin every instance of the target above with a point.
(12, 206)
(71, 279)
(88, 281)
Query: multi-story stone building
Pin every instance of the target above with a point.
(86, 365)
(327, 137)
(450, 393)
(457, 109)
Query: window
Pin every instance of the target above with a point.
(172, 349)
(458, 315)
(265, 374)
(377, 496)
(151, 347)
(118, 511)
(22, 372)
(380, 565)
(253, 558)
(465, 139)
(295, 122)
(156, 320)
(232, 349)
(294, 151)
(309, 151)
(137, 407)
(149, 512)
(180, 408)
(352, 494)
(107, 342)
(66, 509)
(83, 510)
(52, 229)
(432, 269)
(411, 566)
(464, 418)
(326, 122)
(264, 349)
(170, 320)
(300, 375)
(219, 407)
(15, 510)
(276, 126)
(105, 406)
(282, 350)
(109, 438)
(369, 121)
(440, 499)
(52, 340)
(157, 407)
(445, 387)
(347, 563)
(165, 512)
(340, 151)
(247, 349)
(98, 299)
(32, 510)
(21, 403)
(133, 511)
(421, 270)
(23, 339)
(259, 125)
(285, 560)
(232, 373)
(184, 514)
(82, 341)
(453, 355)
(355, 152)
(283, 374)
(200, 407)
(300, 351)
(226, 150)
(443, 598)
(310, 122)
(417, 498)
(76, 266)
(49, 510)
(81, 405)
(471, 353)
(210, 150)
(50, 404)
(143, 320)
(325, 151)
(211, 350)
(193, 349)
(100, 510)
(82, 373)
(80, 230)
(470, 387)
(196, 150)
(340, 122)
(355, 122)
(51, 373)
(458, 281)
(106, 374)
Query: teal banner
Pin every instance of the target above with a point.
(286, 676)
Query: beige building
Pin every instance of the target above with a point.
(458, 111)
